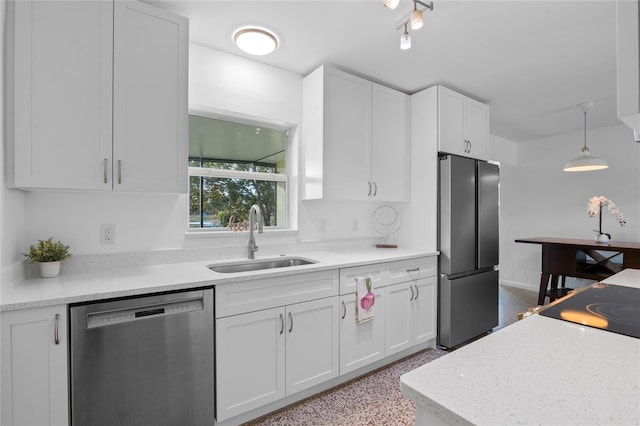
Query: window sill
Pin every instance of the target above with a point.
(190, 233)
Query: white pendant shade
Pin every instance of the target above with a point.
(255, 41)
(585, 163)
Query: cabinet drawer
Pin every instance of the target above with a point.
(411, 270)
(379, 273)
(265, 293)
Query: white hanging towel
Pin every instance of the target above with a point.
(365, 300)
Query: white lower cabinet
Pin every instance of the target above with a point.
(266, 355)
(34, 389)
(360, 343)
(410, 309)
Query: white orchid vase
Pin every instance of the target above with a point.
(594, 208)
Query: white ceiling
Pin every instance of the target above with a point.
(531, 61)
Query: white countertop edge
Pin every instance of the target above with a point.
(134, 281)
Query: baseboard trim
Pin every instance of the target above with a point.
(518, 284)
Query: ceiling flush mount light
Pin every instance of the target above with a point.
(405, 39)
(255, 41)
(586, 162)
(391, 4)
(415, 19)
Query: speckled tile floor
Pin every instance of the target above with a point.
(375, 398)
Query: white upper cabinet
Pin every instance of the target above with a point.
(390, 144)
(463, 124)
(99, 96)
(355, 138)
(61, 128)
(628, 66)
(150, 133)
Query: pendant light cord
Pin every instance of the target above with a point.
(585, 131)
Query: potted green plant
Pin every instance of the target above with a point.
(48, 254)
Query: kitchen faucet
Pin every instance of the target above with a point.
(254, 211)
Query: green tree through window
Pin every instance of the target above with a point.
(232, 166)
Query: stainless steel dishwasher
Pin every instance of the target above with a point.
(143, 361)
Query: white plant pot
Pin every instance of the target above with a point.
(49, 269)
(602, 238)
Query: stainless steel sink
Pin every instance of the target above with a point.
(257, 265)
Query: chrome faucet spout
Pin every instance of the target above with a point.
(255, 215)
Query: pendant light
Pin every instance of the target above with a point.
(586, 162)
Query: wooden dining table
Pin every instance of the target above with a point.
(569, 257)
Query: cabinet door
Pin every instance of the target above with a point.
(250, 361)
(424, 309)
(312, 343)
(477, 128)
(451, 120)
(33, 355)
(62, 94)
(398, 317)
(390, 144)
(347, 136)
(360, 343)
(150, 99)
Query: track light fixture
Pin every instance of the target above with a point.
(415, 19)
(391, 4)
(405, 39)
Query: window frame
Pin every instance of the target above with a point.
(288, 129)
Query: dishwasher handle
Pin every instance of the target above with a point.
(149, 312)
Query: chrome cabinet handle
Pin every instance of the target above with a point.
(119, 171)
(290, 322)
(413, 270)
(369, 189)
(411, 288)
(56, 336)
(281, 324)
(469, 145)
(106, 174)
(344, 310)
(375, 189)
(417, 293)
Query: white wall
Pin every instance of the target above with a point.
(538, 199)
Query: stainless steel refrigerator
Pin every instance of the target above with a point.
(468, 244)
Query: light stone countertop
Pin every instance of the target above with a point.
(539, 371)
(627, 277)
(133, 281)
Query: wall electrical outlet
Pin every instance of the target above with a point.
(107, 234)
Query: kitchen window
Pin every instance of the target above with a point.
(233, 165)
